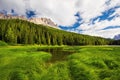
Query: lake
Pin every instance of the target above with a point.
(58, 54)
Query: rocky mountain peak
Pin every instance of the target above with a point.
(117, 37)
(9, 16)
(44, 21)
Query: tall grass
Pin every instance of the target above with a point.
(89, 63)
(95, 63)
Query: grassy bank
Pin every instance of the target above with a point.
(87, 63)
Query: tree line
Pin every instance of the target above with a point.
(15, 31)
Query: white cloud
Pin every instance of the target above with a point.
(91, 9)
(110, 33)
(62, 12)
(114, 3)
(117, 13)
(18, 6)
(100, 25)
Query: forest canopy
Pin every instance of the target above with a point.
(15, 31)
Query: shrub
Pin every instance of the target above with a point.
(58, 71)
(111, 64)
(109, 75)
(2, 43)
(104, 74)
(79, 71)
(17, 75)
(98, 63)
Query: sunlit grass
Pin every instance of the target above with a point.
(87, 63)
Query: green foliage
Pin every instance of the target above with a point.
(95, 63)
(115, 42)
(10, 37)
(58, 71)
(79, 71)
(30, 63)
(109, 74)
(17, 75)
(111, 64)
(15, 31)
(2, 43)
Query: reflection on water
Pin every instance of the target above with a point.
(58, 54)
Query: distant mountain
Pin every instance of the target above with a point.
(117, 37)
(44, 21)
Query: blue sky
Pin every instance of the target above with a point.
(75, 25)
(92, 17)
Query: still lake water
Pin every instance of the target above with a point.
(58, 54)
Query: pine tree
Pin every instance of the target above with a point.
(10, 37)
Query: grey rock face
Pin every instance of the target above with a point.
(117, 37)
(44, 21)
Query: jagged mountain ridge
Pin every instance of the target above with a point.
(44, 21)
(117, 37)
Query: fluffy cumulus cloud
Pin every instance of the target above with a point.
(101, 18)
(92, 17)
(62, 12)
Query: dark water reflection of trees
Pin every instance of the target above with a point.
(58, 54)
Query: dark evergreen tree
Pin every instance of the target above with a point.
(23, 32)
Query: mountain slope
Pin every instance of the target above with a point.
(117, 37)
(43, 21)
(17, 31)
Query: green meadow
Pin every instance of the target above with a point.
(59, 62)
